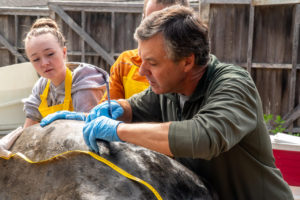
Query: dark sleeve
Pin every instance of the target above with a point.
(145, 107)
(230, 113)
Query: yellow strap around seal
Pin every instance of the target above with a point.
(97, 157)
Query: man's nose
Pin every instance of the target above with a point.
(143, 71)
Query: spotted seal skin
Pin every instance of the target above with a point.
(80, 176)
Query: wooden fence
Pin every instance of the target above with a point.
(262, 36)
(96, 32)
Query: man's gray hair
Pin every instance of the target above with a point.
(183, 32)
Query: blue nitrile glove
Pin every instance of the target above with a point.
(103, 110)
(102, 128)
(62, 115)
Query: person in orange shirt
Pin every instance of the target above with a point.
(125, 79)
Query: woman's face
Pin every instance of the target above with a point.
(47, 57)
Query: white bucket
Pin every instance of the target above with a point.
(16, 82)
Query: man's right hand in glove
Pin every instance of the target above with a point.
(103, 110)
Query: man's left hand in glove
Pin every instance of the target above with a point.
(102, 128)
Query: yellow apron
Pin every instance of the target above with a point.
(66, 105)
(131, 86)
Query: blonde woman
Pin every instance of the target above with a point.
(58, 89)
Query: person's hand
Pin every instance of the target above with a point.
(62, 115)
(103, 110)
(8, 140)
(102, 128)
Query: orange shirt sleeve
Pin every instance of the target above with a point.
(117, 71)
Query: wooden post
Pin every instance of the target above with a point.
(250, 38)
(82, 40)
(113, 29)
(292, 82)
(12, 49)
(16, 35)
(204, 11)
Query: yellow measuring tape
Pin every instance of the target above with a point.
(97, 157)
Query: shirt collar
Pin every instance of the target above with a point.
(203, 83)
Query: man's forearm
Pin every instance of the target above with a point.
(127, 115)
(153, 136)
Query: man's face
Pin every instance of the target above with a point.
(163, 74)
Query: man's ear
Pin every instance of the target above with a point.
(189, 62)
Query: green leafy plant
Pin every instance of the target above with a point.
(295, 134)
(274, 125)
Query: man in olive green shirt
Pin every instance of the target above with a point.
(206, 114)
